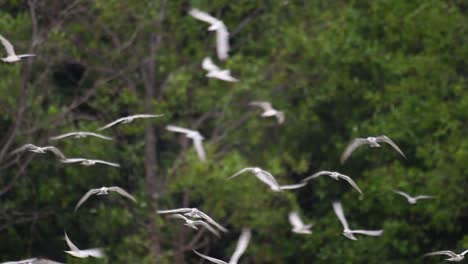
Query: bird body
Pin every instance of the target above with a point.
(128, 119)
(89, 162)
(268, 179)
(40, 150)
(336, 176)
(452, 256)
(11, 55)
(347, 232)
(195, 136)
(81, 134)
(298, 226)
(215, 72)
(104, 191)
(373, 142)
(268, 110)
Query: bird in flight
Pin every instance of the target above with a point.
(194, 213)
(452, 256)
(128, 119)
(242, 244)
(268, 110)
(36, 149)
(80, 134)
(76, 252)
(222, 33)
(413, 200)
(335, 175)
(194, 223)
(194, 135)
(215, 72)
(104, 191)
(298, 226)
(10, 50)
(268, 179)
(348, 232)
(89, 162)
(24, 261)
(373, 142)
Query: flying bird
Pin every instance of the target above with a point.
(104, 191)
(215, 72)
(268, 179)
(128, 119)
(194, 213)
(222, 33)
(298, 226)
(89, 162)
(81, 134)
(24, 261)
(10, 50)
(242, 244)
(335, 175)
(194, 223)
(452, 256)
(36, 149)
(76, 252)
(413, 200)
(195, 136)
(373, 142)
(269, 111)
(348, 232)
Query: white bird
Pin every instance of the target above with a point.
(298, 226)
(11, 55)
(36, 149)
(268, 110)
(196, 137)
(267, 178)
(242, 244)
(81, 134)
(335, 175)
(128, 119)
(413, 200)
(215, 72)
(348, 232)
(89, 162)
(76, 252)
(373, 142)
(104, 191)
(24, 261)
(452, 256)
(222, 33)
(194, 213)
(194, 223)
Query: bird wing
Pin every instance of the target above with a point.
(240, 172)
(121, 192)
(179, 129)
(387, 140)
(295, 220)
(315, 175)
(350, 181)
(208, 65)
(224, 75)
(24, 261)
(179, 216)
(213, 260)
(107, 163)
(70, 244)
(98, 135)
(267, 178)
(351, 147)
(222, 42)
(85, 197)
(94, 252)
(207, 226)
(203, 16)
(173, 211)
(26, 55)
(197, 142)
(266, 106)
(72, 160)
(143, 116)
(241, 246)
(56, 151)
(338, 208)
(424, 197)
(280, 117)
(293, 186)
(442, 252)
(211, 221)
(64, 135)
(368, 232)
(407, 196)
(8, 46)
(464, 252)
(112, 123)
(23, 148)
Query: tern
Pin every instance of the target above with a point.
(76, 252)
(215, 72)
(452, 256)
(222, 33)
(36, 149)
(268, 110)
(194, 223)
(128, 119)
(195, 136)
(267, 178)
(10, 50)
(89, 162)
(242, 244)
(335, 175)
(348, 232)
(298, 226)
(413, 200)
(80, 134)
(104, 191)
(194, 213)
(373, 142)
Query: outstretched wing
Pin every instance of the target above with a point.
(85, 197)
(56, 151)
(107, 163)
(424, 197)
(242, 244)
(203, 16)
(143, 116)
(407, 196)
(211, 221)
(318, 174)
(442, 252)
(340, 214)
(179, 216)
(207, 226)
(240, 172)
(197, 142)
(266, 106)
(293, 186)
(98, 135)
(295, 220)
(23, 148)
(8, 46)
(351, 182)
(70, 244)
(122, 192)
(222, 42)
(64, 135)
(368, 232)
(213, 260)
(208, 65)
(179, 129)
(387, 140)
(72, 160)
(174, 211)
(112, 123)
(94, 252)
(351, 147)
